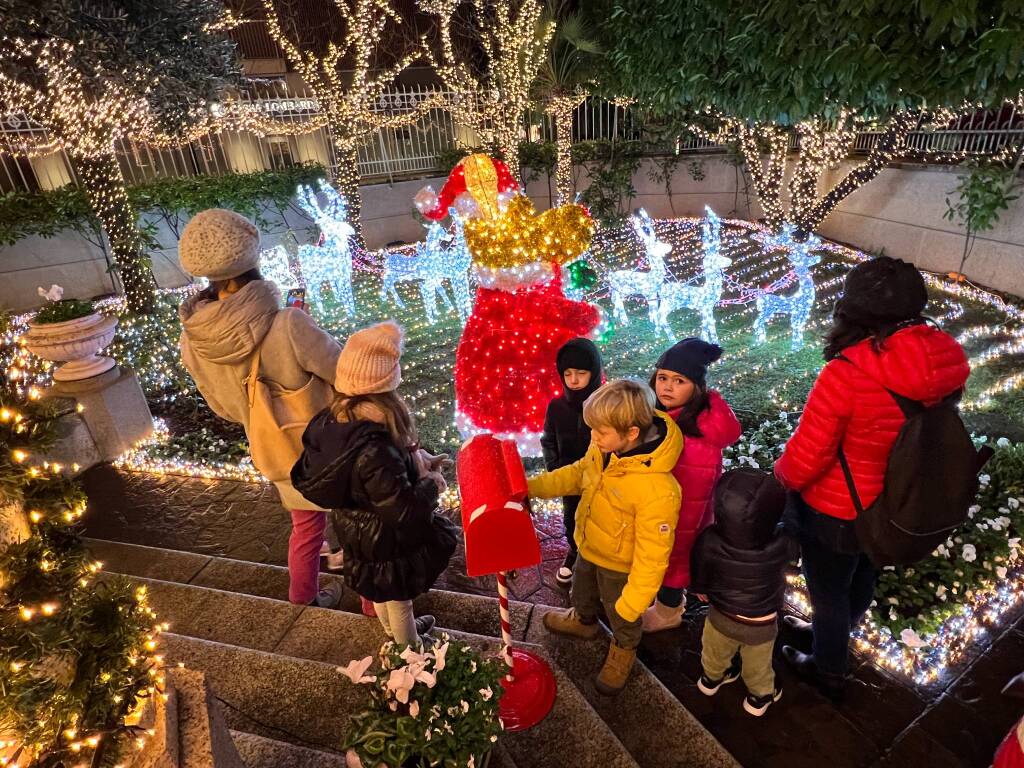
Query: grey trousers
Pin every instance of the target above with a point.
(398, 620)
(594, 587)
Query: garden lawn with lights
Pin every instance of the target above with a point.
(924, 616)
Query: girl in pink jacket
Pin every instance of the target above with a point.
(709, 426)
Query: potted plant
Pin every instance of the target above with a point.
(72, 332)
(435, 708)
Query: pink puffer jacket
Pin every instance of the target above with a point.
(697, 470)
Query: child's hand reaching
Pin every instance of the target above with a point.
(427, 462)
(438, 479)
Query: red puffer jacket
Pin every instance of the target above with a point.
(849, 405)
(697, 470)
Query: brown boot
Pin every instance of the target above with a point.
(567, 622)
(615, 672)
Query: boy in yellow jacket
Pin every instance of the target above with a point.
(625, 523)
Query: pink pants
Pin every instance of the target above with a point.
(304, 555)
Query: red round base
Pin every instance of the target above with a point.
(529, 697)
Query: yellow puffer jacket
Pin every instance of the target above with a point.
(628, 512)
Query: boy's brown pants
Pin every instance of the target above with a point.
(593, 587)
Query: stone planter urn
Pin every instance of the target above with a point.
(76, 343)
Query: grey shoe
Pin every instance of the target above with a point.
(329, 596)
(424, 624)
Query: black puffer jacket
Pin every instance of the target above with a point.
(396, 544)
(739, 561)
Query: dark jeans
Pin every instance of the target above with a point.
(841, 585)
(569, 505)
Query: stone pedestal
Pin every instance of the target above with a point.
(114, 416)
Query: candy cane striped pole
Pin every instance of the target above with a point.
(506, 624)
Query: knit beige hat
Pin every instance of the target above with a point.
(369, 362)
(218, 245)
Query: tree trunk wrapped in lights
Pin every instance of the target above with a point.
(104, 187)
(562, 109)
(347, 82)
(514, 40)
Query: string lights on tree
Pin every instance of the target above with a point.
(348, 85)
(93, 75)
(514, 39)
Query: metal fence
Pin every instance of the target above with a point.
(412, 150)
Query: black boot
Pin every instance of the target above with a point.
(831, 685)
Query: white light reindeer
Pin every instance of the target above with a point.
(433, 262)
(331, 261)
(274, 266)
(799, 305)
(624, 283)
(423, 266)
(701, 298)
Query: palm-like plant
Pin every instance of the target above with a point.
(564, 81)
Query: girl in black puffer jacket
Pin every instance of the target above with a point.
(361, 458)
(738, 565)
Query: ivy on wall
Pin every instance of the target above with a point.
(259, 195)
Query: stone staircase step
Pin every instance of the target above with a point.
(471, 613)
(307, 703)
(261, 752)
(313, 634)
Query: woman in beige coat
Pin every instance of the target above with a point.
(224, 328)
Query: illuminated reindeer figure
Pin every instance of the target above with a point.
(701, 298)
(799, 305)
(456, 269)
(624, 283)
(424, 266)
(274, 266)
(330, 261)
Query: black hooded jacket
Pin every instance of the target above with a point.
(396, 544)
(566, 436)
(740, 560)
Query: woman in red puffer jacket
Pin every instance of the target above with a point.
(879, 341)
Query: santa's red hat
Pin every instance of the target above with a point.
(479, 177)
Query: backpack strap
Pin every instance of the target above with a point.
(849, 482)
(254, 373)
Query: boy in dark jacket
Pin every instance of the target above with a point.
(738, 563)
(566, 437)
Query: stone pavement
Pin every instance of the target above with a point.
(885, 721)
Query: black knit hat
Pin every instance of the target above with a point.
(881, 292)
(691, 358)
(584, 355)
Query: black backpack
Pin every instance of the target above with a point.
(930, 482)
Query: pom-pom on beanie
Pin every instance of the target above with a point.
(882, 291)
(218, 244)
(691, 358)
(369, 362)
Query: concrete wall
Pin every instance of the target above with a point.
(900, 211)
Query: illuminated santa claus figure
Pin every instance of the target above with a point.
(505, 372)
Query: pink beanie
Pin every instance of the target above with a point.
(369, 362)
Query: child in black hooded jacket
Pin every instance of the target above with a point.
(738, 565)
(566, 436)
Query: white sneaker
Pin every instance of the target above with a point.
(660, 617)
(758, 705)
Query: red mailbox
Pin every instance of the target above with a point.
(499, 532)
(500, 537)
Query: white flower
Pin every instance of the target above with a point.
(465, 706)
(941, 591)
(973, 510)
(56, 293)
(1002, 442)
(1004, 522)
(427, 735)
(439, 654)
(414, 708)
(911, 639)
(410, 657)
(940, 551)
(493, 739)
(782, 415)
(400, 682)
(893, 601)
(355, 670)
(969, 553)
(984, 479)
(892, 614)
(1001, 571)
(1013, 503)
(486, 693)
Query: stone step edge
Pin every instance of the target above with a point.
(302, 756)
(593, 715)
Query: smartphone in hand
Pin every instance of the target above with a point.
(296, 298)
